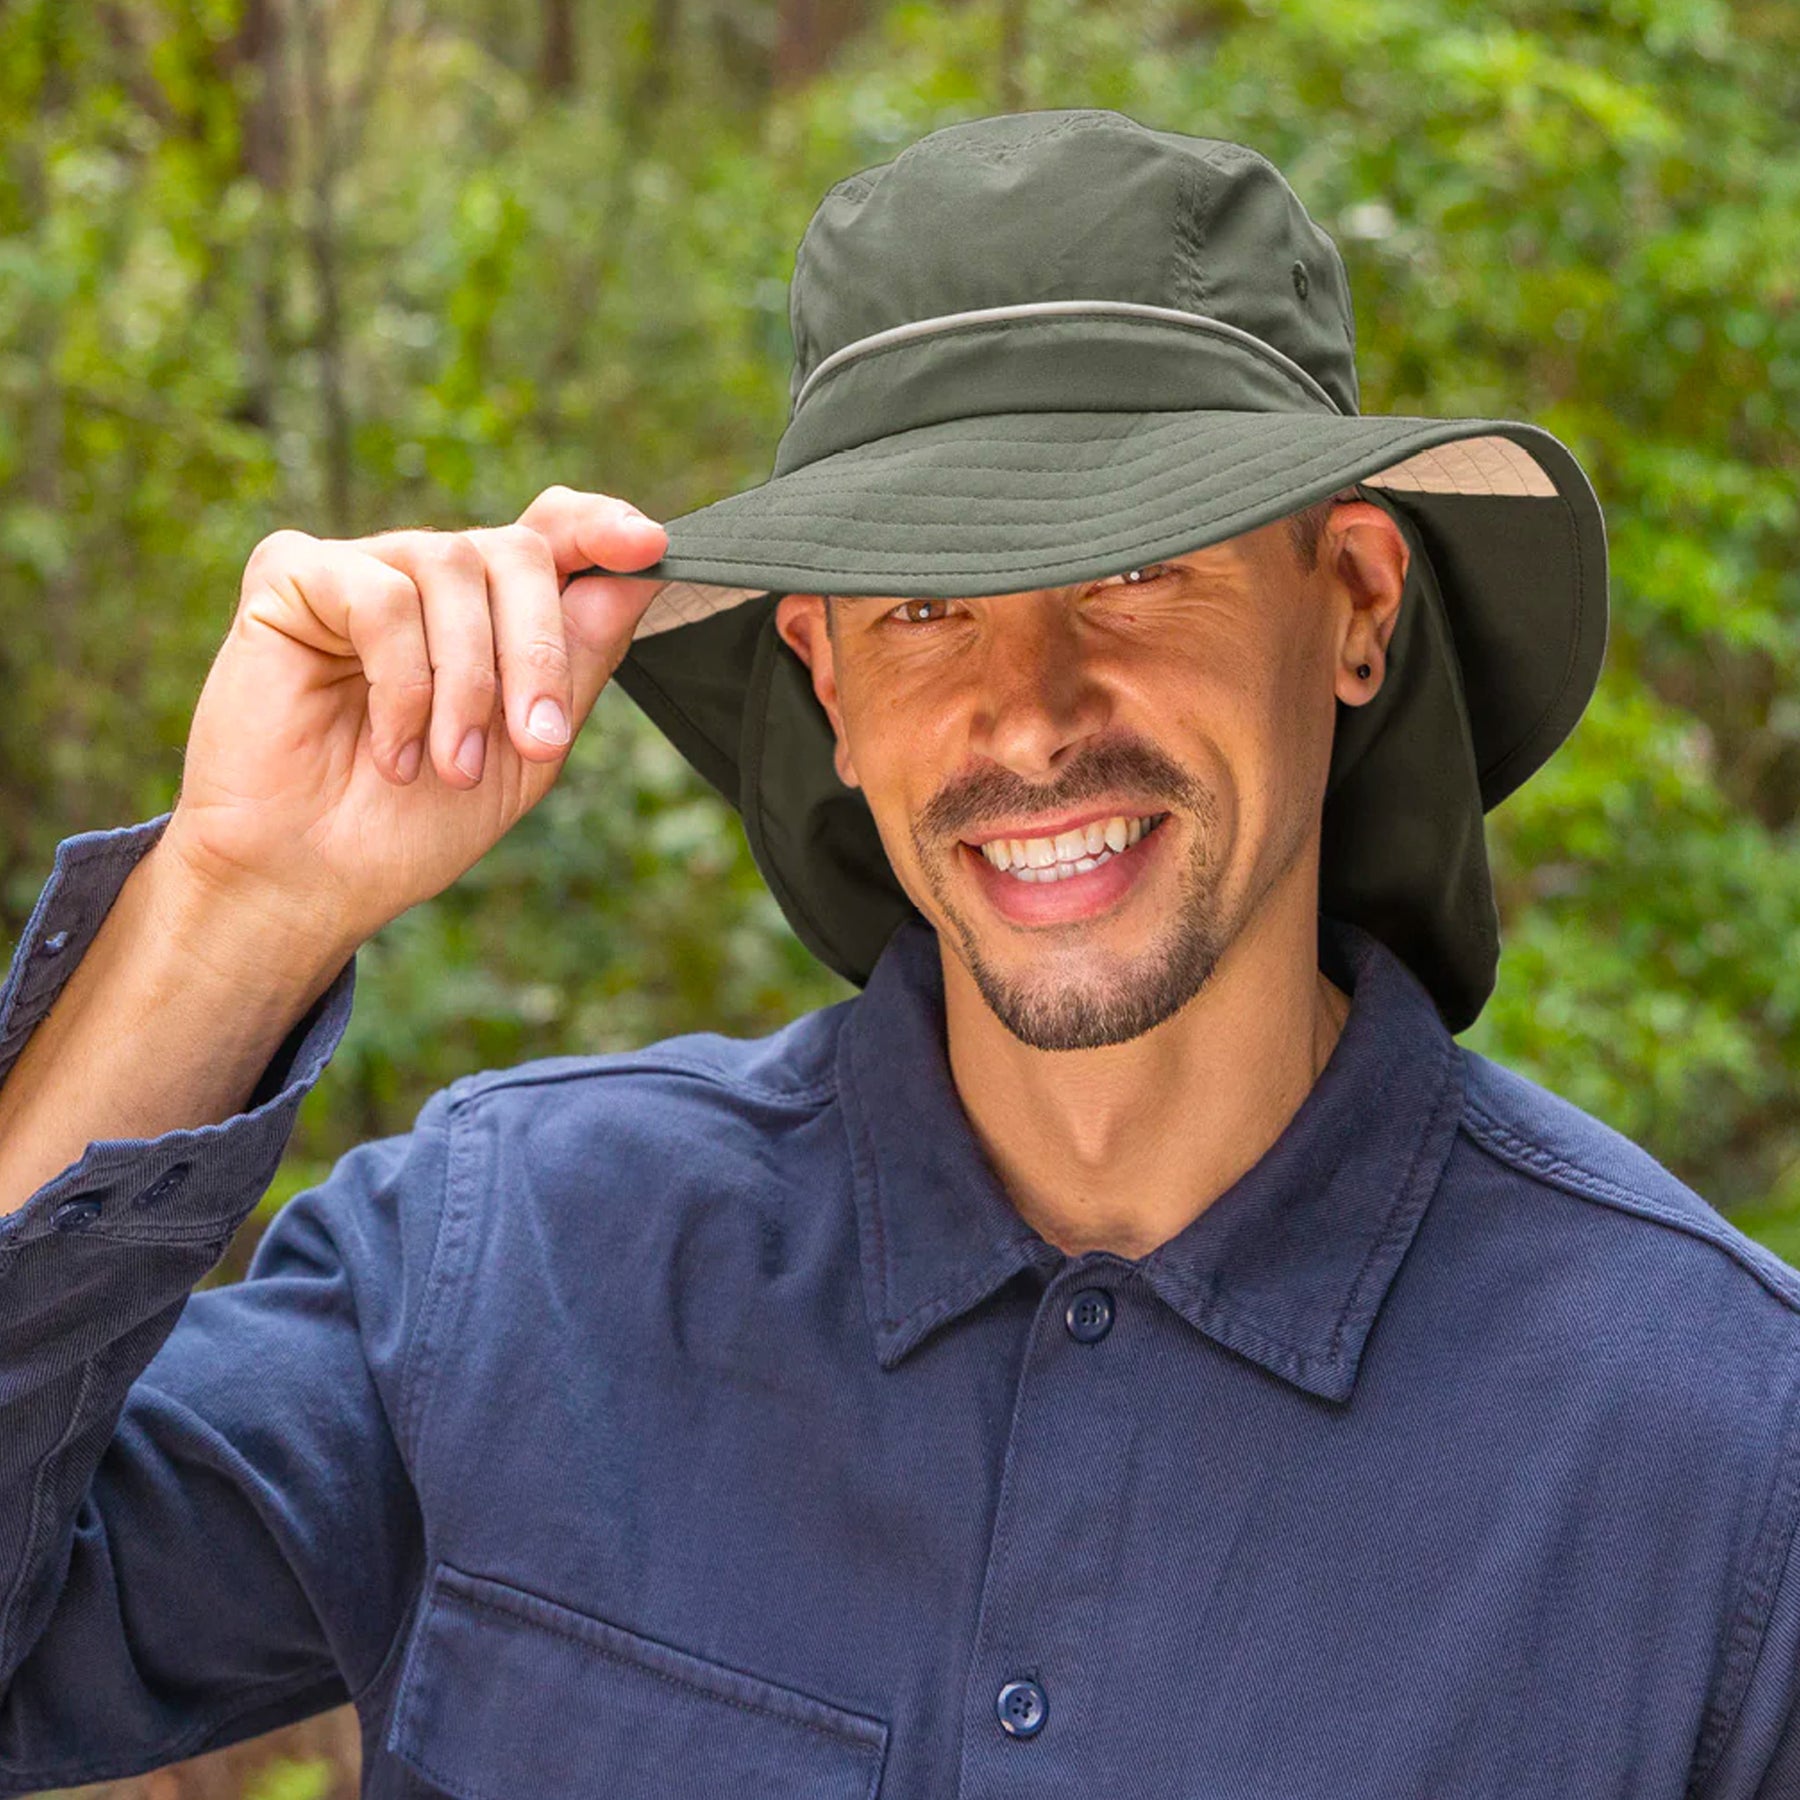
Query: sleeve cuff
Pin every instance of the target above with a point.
(194, 1181)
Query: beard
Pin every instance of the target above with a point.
(1078, 996)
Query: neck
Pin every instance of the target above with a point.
(1118, 1148)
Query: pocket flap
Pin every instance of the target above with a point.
(506, 1694)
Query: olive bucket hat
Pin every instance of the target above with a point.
(1047, 347)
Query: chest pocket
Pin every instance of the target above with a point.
(505, 1694)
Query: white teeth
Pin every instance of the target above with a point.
(1071, 852)
(1063, 870)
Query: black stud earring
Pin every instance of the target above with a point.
(1362, 671)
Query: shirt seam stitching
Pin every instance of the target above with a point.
(1530, 1158)
(420, 1351)
(637, 1665)
(1406, 1203)
(1750, 1617)
(34, 1515)
(972, 1288)
(812, 1093)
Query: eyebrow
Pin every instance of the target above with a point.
(1174, 562)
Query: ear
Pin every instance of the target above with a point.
(800, 619)
(1364, 557)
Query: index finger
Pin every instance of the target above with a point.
(584, 530)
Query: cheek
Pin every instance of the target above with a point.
(900, 751)
(1250, 726)
(895, 732)
(1292, 723)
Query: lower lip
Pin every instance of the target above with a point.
(1070, 896)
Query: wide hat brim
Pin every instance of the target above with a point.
(1499, 644)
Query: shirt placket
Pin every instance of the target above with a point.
(1035, 1697)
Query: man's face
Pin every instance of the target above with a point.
(1145, 753)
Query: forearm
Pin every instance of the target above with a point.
(166, 1023)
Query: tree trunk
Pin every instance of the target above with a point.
(808, 33)
(322, 254)
(558, 63)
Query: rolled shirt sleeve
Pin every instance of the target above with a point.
(206, 1527)
(189, 1175)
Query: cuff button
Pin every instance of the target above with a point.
(77, 1214)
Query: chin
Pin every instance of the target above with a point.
(1114, 1005)
(1088, 995)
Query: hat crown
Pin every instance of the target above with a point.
(1073, 204)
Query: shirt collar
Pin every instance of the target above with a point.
(1288, 1266)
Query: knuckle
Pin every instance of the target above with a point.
(284, 544)
(479, 684)
(389, 592)
(546, 656)
(317, 577)
(409, 688)
(527, 544)
(421, 552)
(455, 553)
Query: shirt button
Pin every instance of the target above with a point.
(1090, 1315)
(55, 944)
(76, 1215)
(164, 1185)
(1022, 1707)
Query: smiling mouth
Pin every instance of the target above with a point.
(1070, 853)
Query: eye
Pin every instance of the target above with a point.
(1139, 577)
(929, 600)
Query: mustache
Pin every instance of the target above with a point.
(1126, 767)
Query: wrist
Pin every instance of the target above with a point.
(241, 928)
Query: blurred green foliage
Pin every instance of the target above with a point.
(288, 1780)
(359, 264)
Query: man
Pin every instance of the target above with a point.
(1129, 1348)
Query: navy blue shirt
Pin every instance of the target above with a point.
(704, 1420)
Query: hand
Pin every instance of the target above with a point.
(365, 734)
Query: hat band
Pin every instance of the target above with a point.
(1040, 356)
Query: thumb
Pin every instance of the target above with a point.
(600, 615)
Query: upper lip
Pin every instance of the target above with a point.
(1049, 828)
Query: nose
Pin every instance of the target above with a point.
(1038, 696)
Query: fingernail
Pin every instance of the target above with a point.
(546, 721)
(407, 762)
(634, 517)
(474, 749)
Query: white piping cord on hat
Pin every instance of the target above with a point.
(1037, 309)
